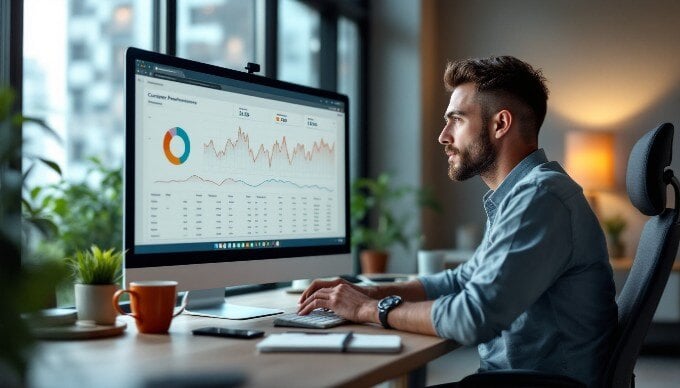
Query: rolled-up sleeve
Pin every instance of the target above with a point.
(522, 257)
(451, 281)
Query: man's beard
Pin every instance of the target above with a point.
(477, 159)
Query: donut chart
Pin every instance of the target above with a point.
(169, 135)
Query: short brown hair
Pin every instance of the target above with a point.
(503, 75)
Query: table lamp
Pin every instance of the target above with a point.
(590, 162)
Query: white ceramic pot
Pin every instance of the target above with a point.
(93, 303)
(430, 261)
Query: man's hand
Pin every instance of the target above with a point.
(344, 298)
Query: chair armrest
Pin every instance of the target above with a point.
(519, 378)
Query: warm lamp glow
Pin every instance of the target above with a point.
(590, 159)
(598, 94)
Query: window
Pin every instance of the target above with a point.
(299, 43)
(73, 71)
(221, 33)
(73, 78)
(348, 83)
(73, 57)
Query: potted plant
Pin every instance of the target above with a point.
(81, 213)
(375, 226)
(613, 228)
(26, 283)
(85, 212)
(96, 274)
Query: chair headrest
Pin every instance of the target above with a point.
(645, 174)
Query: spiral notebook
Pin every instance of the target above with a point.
(330, 342)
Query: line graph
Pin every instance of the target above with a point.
(227, 181)
(277, 160)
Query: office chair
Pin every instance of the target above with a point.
(646, 179)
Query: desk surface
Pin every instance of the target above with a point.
(130, 359)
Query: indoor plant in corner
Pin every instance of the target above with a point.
(96, 274)
(614, 227)
(375, 226)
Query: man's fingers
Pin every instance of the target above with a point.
(316, 285)
(313, 305)
(309, 291)
(320, 294)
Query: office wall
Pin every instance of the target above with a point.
(611, 65)
(395, 90)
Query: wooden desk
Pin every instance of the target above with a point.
(131, 359)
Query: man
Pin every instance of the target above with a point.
(538, 293)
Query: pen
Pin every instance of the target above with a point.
(347, 340)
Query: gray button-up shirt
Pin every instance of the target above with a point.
(538, 293)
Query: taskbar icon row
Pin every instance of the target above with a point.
(247, 244)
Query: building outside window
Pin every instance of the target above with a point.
(221, 33)
(299, 43)
(73, 78)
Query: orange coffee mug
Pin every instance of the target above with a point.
(152, 304)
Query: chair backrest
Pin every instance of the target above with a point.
(647, 178)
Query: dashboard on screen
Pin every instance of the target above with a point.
(227, 166)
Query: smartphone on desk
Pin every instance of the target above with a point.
(230, 333)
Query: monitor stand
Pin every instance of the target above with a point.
(210, 303)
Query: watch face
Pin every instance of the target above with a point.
(389, 302)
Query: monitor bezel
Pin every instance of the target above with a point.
(172, 259)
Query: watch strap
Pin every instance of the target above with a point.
(383, 311)
(382, 314)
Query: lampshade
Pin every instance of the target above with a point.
(590, 159)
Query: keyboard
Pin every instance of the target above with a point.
(317, 319)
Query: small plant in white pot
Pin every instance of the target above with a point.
(96, 274)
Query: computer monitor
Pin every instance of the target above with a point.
(231, 179)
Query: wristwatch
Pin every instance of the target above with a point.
(385, 305)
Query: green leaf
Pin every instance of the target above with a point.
(46, 128)
(54, 166)
(46, 226)
(60, 206)
(95, 266)
(373, 204)
(35, 192)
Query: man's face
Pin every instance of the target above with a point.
(466, 135)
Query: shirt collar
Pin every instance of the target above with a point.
(493, 198)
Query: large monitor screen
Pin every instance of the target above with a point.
(225, 167)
